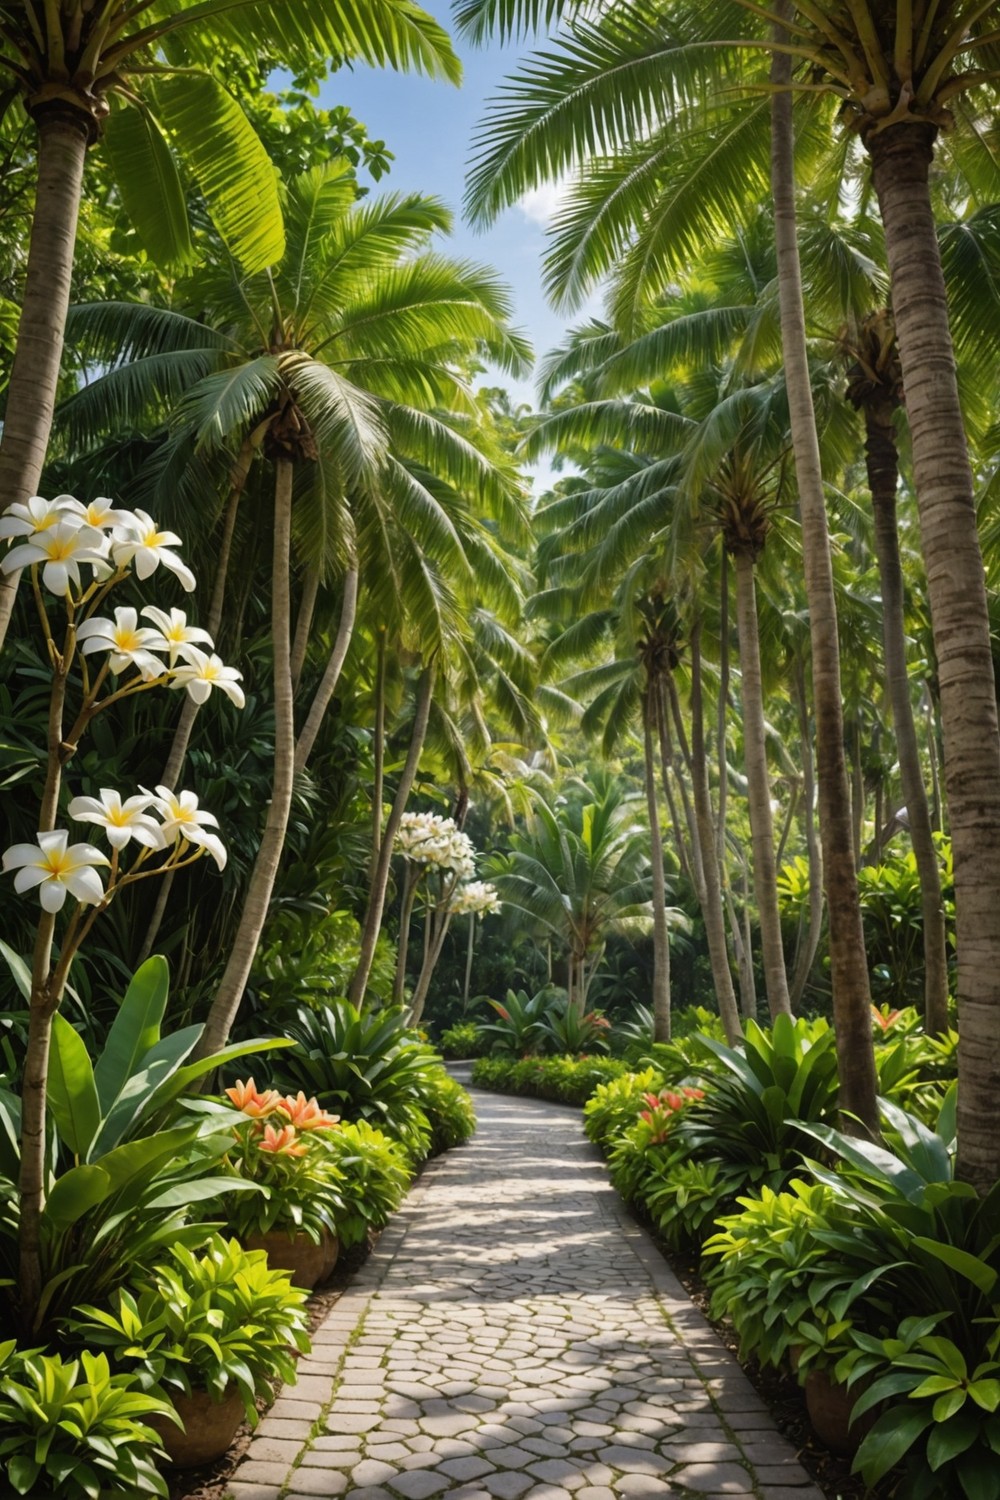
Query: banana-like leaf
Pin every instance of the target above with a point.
(150, 185)
(135, 1030)
(75, 1192)
(72, 1092)
(223, 153)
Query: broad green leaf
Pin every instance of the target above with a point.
(75, 1192)
(969, 1266)
(136, 1028)
(150, 185)
(72, 1093)
(893, 1435)
(19, 971)
(223, 153)
(949, 1439)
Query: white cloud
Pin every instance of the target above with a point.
(541, 204)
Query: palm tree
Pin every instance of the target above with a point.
(142, 77)
(330, 363)
(581, 870)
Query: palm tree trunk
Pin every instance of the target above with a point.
(469, 954)
(765, 873)
(265, 869)
(63, 138)
(901, 159)
(883, 473)
(697, 860)
(423, 984)
(303, 624)
(380, 876)
(403, 944)
(684, 851)
(715, 923)
(331, 676)
(661, 932)
(378, 748)
(806, 951)
(857, 790)
(848, 964)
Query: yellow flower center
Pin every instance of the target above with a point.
(152, 538)
(59, 549)
(127, 640)
(57, 862)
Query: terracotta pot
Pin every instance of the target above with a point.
(209, 1427)
(307, 1262)
(830, 1408)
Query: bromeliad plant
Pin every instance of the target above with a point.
(77, 557)
(281, 1148)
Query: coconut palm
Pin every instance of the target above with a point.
(580, 869)
(332, 365)
(141, 76)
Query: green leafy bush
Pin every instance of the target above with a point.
(616, 1105)
(71, 1430)
(373, 1176)
(567, 1080)
(521, 1019)
(364, 1065)
(571, 1034)
(464, 1039)
(449, 1110)
(204, 1322)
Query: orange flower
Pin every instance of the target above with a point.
(694, 1093)
(305, 1114)
(246, 1098)
(283, 1142)
(885, 1019)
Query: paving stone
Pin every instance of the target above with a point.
(715, 1479)
(469, 1467)
(348, 1422)
(643, 1484)
(314, 1482)
(418, 1484)
(507, 1486)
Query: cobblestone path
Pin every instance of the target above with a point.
(516, 1336)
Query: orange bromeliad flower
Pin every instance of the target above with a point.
(252, 1103)
(305, 1114)
(283, 1142)
(885, 1019)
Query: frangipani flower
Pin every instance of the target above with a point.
(61, 547)
(120, 820)
(101, 512)
(175, 630)
(283, 1142)
(130, 644)
(305, 1114)
(246, 1097)
(202, 673)
(38, 514)
(429, 839)
(140, 541)
(476, 897)
(184, 819)
(57, 867)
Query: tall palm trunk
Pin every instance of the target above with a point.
(765, 874)
(883, 474)
(406, 906)
(715, 922)
(437, 934)
(378, 748)
(265, 869)
(303, 624)
(63, 138)
(661, 932)
(380, 875)
(901, 158)
(806, 947)
(848, 965)
(331, 675)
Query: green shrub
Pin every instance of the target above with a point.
(464, 1039)
(449, 1110)
(205, 1322)
(363, 1065)
(520, 1025)
(374, 1174)
(615, 1105)
(71, 1430)
(567, 1080)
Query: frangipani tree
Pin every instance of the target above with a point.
(77, 556)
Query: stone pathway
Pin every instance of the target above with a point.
(516, 1336)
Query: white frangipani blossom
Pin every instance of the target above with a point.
(101, 512)
(38, 514)
(60, 547)
(139, 541)
(120, 820)
(476, 897)
(57, 868)
(203, 673)
(184, 819)
(130, 644)
(432, 840)
(173, 626)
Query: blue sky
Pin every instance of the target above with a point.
(429, 125)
